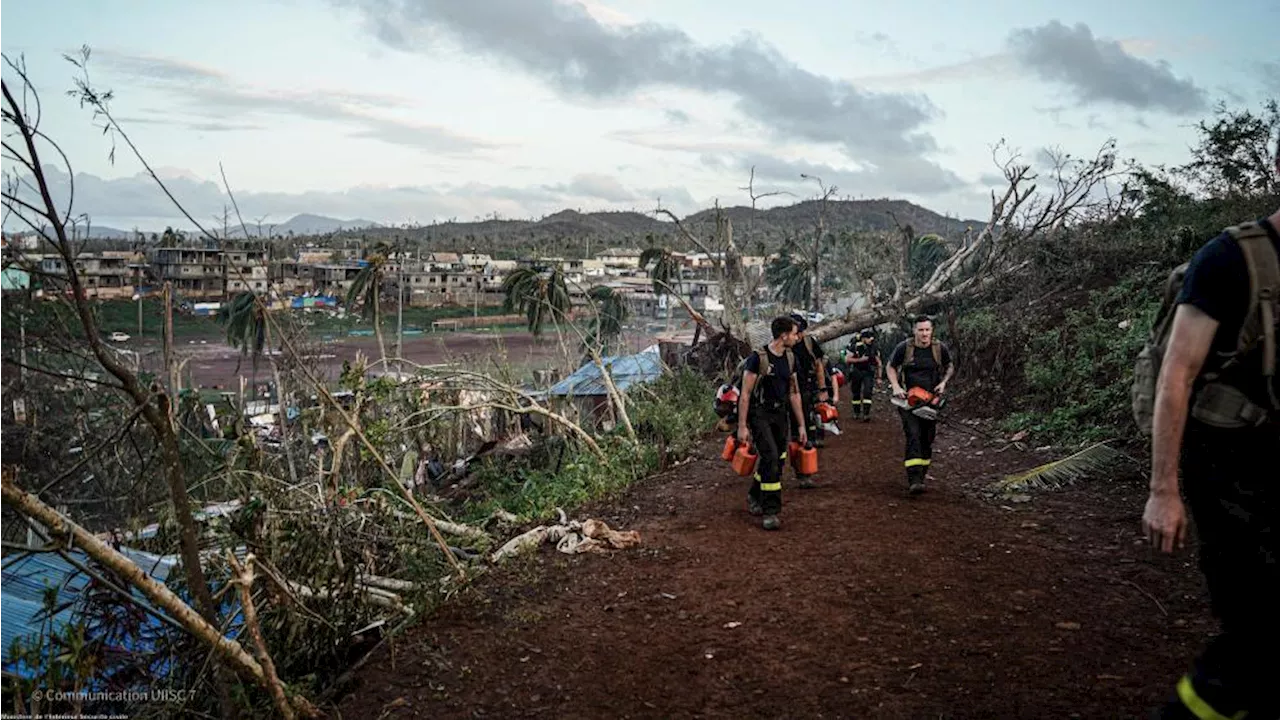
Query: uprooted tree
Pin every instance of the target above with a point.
(1031, 207)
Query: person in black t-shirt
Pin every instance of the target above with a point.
(1229, 474)
(862, 360)
(929, 367)
(811, 374)
(767, 394)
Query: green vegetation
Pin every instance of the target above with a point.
(671, 416)
(1059, 341)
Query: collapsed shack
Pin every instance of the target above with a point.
(584, 395)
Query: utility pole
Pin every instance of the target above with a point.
(399, 309)
(170, 353)
(137, 291)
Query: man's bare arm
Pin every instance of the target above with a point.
(893, 377)
(1164, 519)
(797, 406)
(1189, 341)
(749, 380)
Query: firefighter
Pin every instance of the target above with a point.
(922, 362)
(862, 360)
(811, 374)
(1216, 421)
(769, 390)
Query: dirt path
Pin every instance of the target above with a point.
(865, 604)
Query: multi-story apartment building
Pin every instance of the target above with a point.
(333, 278)
(109, 274)
(246, 268)
(213, 270)
(194, 272)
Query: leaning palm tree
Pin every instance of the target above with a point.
(539, 293)
(367, 287)
(612, 313)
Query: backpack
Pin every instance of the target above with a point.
(935, 346)
(766, 365)
(1218, 403)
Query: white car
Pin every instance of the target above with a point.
(118, 336)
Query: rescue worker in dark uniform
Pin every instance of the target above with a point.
(1217, 420)
(863, 369)
(811, 374)
(770, 394)
(920, 361)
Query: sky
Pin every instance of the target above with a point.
(415, 111)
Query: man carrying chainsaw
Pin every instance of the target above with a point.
(862, 358)
(769, 389)
(1206, 389)
(918, 371)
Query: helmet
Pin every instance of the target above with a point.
(867, 332)
(727, 393)
(802, 324)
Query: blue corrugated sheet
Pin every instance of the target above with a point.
(626, 370)
(27, 579)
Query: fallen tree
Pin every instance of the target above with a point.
(1073, 190)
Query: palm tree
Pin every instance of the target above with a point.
(611, 313)
(791, 276)
(247, 328)
(926, 253)
(665, 272)
(246, 325)
(538, 292)
(367, 287)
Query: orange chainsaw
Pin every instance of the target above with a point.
(921, 403)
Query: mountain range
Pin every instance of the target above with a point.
(299, 225)
(572, 232)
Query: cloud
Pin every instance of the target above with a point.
(677, 116)
(1102, 71)
(221, 104)
(1270, 74)
(139, 199)
(920, 176)
(979, 67)
(192, 125)
(581, 57)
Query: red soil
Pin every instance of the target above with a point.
(865, 604)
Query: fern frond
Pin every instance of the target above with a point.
(1096, 460)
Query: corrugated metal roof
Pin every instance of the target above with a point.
(27, 579)
(626, 370)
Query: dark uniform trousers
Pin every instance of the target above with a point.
(861, 386)
(808, 401)
(769, 430)
(919, 451)
(1232, 486)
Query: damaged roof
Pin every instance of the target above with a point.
(627, 370)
